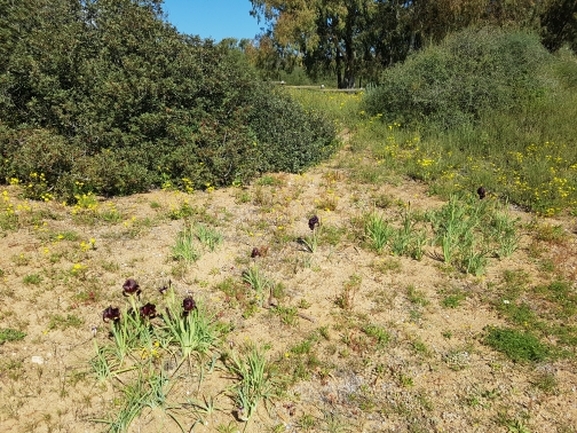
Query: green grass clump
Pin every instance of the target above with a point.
(378, 232)
(469, 231)
(208, 236)
(517, 345)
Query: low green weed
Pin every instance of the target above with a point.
(58, 321)
(453, 298)
(185, 210)
(301, 359)
(518, 345)
(546, 382)
(32, 279)
(457, 359)
(331, 235)
(380, 335)
(288, 315)
(9, 334)
(346, 298)
(268, 180)
(416, 296)
(550, 233)
(514, 425)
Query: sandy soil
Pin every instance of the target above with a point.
(433, 375)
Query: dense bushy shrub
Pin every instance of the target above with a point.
(296, 138)
(457, 81)
(106, 95)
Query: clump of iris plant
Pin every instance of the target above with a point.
(134, 328)
(311, 242)
(181, 321)
(188, 324)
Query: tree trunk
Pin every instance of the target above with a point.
(350, 60)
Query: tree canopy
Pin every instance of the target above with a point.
(354, 39)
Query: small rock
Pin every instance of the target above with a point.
(36, 359)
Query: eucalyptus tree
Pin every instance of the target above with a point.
(357, 38)
(336, 36)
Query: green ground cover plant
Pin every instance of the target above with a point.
(517, 345)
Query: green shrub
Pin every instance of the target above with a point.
(290, 138)
(484, 108)
(457, 81)
(138, 106)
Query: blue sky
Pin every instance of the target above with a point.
(215, 19)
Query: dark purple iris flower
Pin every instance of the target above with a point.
(314, 222)
(482, 192)
(148, 310)
(131, 287)
(188, 304)
(111, 313)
